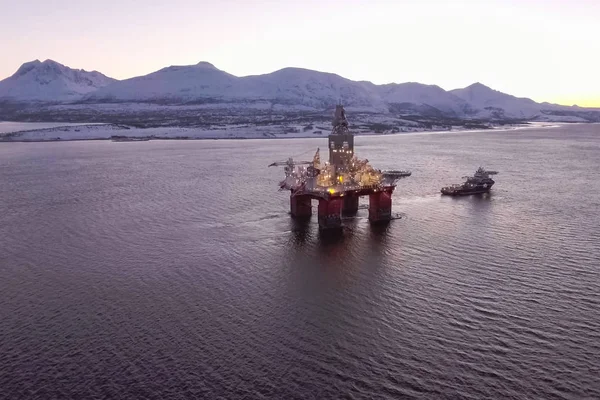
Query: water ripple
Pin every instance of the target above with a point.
(165, 270)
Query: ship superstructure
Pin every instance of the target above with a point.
(338, 183)
(480, 182)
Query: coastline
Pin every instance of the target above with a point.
(122, 133)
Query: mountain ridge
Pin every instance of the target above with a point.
(286, 88)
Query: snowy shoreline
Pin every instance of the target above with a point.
(74, 132)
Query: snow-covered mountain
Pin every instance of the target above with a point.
(491, 103)
(294, 89)
(171, 84)
(289, 86)
(203, 82)
(314, 89)
(304, 89)
(423, 95)
(50, 81)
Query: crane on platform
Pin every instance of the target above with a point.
(289, 162)
(290, 168)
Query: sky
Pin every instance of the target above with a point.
(548, 50)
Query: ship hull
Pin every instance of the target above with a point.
(465, 191)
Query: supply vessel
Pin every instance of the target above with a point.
(481, 182)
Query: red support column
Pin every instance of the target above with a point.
(350, 206)
(300, 206)
(380, 206)
(330, 213)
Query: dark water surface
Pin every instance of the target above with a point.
(171, 270)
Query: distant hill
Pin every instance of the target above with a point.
(50, 81)
(490, 102)
(424, 95)
(286, 89)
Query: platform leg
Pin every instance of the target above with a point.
(330, 213)
(350, 206)
(300, 206)
(380, 206)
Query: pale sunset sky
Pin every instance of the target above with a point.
(548, 50)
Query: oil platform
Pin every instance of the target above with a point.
(337, 184)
